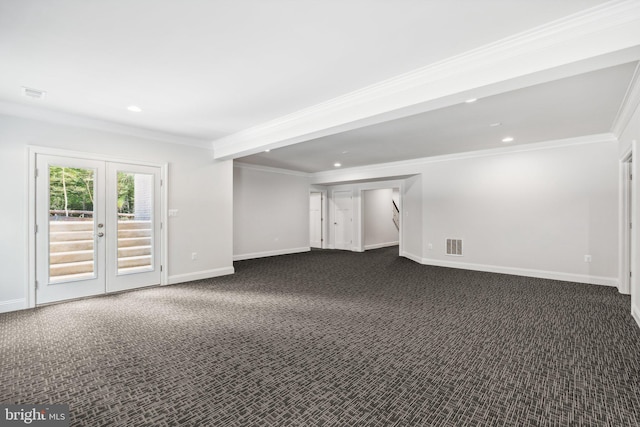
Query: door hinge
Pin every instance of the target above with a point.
(37, 284)
(161, 226)
(161, 183)
(36, 228)
(36, 173)
(160, 268)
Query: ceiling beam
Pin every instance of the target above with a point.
(416, 166)
(599, 37)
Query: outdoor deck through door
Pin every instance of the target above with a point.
(97, 227)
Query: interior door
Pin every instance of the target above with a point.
(69, 228)
(97, 227)
(343, 223)
(315, 220)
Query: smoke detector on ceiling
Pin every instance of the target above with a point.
(33, 93)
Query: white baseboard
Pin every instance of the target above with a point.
(541, 274)
(625, 292)
(381, 245)
(635, 313)
(253, 255)
(13, 305)
(199, 275)
(412, 257)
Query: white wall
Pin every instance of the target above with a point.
(540, 211)
(379, 229)
(199, 187)
(271, 212)
(395, 196)
(534, 210)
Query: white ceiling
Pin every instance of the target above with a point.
(206, 69)
(209, 68)
(585, 104)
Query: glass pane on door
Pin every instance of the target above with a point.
(135, 222)
(71, 224)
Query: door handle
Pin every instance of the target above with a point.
(100, 234)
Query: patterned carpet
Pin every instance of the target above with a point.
(332, 338)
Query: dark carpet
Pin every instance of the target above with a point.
(331, 338)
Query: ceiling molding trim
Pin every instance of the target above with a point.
(409, 167)
(600, 30)
(70, 119)
(260, 168)
(629, 104)
(372, 184)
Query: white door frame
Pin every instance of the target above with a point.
(634, 280)
(32, 152)
(626, 209)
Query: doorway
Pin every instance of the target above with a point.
(98, 227)
(381, 218)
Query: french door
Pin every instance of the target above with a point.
(97, 227)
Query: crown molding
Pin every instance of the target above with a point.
(411, 167)
(260, 168)
(366, 185)
(69, 119)
(601, 30)
(629, 104)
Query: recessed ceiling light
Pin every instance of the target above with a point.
(266, 151)
(471, 100)
(496, 124)
(507, 139)
(134, 108)
(345, 152)
(337, 165)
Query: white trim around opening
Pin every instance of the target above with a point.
(32, 152)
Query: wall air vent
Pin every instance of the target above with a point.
(33, 93)
(454, 247)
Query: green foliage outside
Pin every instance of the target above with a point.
(72, 189)
(126, 188)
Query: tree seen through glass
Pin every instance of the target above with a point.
(71, 192)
